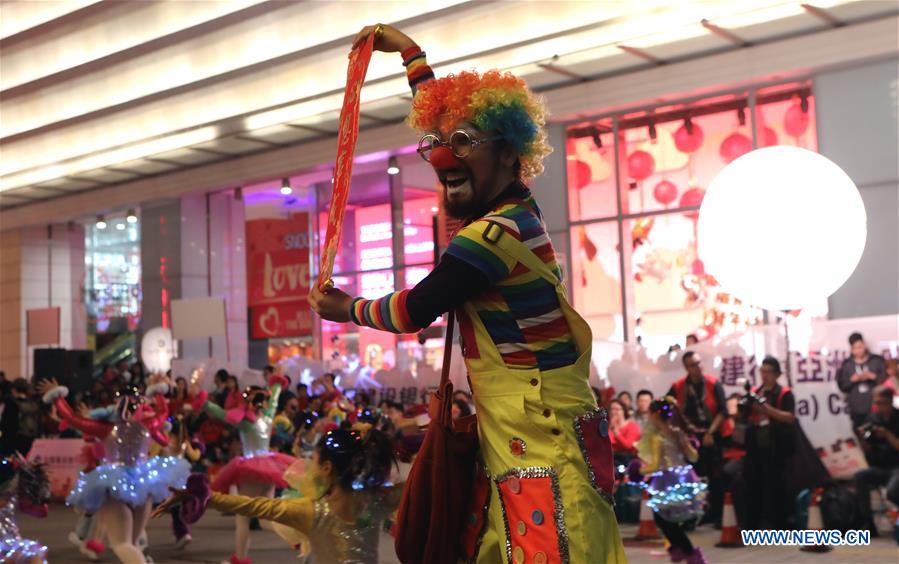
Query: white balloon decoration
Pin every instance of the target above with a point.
(156, 350)
(781, 228)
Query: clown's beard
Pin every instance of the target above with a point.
(459, 202)
(471, 199)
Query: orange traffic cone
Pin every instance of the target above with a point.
(730, 532)
(647, 528)
(815, 522)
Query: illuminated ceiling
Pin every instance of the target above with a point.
(94, 94)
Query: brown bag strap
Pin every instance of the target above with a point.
(448, 348)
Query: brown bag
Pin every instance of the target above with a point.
(435, 498)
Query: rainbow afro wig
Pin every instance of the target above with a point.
(491, 101)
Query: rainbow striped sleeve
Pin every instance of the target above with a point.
(417, 69)
(387, 314)
(470, 245)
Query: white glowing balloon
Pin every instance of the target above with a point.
(156, 350)
(781, 228)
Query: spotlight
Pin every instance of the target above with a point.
(652, 131)
(120, 226)
(803, 102)
(392, 167)
(741, 115)
(286, 190)
(688, 124)
(101, 222)
(131, 217)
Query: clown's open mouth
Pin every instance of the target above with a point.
(454, 179)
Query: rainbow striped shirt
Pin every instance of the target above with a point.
(521, 312)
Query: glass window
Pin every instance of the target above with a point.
(113, 271)
(596, 278)
(664, 159)
(669, 162)
(591, 172)
(672, 295)
(787, 118)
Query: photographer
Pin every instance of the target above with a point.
(880, 440)
(768, 412)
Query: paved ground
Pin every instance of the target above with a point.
(213, 543)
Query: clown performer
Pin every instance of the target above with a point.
(345, 498)
(676, 493)
(23, 485)
(543, 439)
(258, 471)
(119, 493)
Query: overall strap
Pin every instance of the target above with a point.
(517, 250)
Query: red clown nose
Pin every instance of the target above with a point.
(442, 158)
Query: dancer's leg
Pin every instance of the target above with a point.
(118, 522)
(242, 530)
(141, 518)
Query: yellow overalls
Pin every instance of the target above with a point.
(544, 443)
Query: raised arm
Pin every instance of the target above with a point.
(275, 383)
(56, 395)
(201, 403)
(155, 420)
(388, 39)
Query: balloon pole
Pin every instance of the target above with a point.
(788, 370)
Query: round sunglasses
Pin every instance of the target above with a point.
(461, 143)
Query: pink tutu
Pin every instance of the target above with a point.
(263, 468)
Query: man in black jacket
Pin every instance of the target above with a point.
(858, 376)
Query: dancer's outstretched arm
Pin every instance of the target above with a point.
(56, 395)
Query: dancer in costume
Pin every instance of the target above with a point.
(258, 471)
(23, 485)
(189, 449)
(543, 439)
(120, 491)
(346, 497)
(676, 493)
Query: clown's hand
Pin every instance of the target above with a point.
(387, 38)
(333, 304)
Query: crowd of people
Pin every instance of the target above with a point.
(745, 444)
(751, 444)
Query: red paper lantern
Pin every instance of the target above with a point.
(664, 192)
(698, 268)
(769, 137)
(690, 198)
(795, 120)
(641, 165)
(734, 145)
(579, 172)
(688, 142)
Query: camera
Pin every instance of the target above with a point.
(868, 429)
(749, 399)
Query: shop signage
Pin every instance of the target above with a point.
(278, 277)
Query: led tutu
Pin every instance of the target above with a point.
(129, 484)
(265, 467)
(677, 494)
(257, 464)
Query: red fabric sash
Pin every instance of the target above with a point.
(343, 167)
